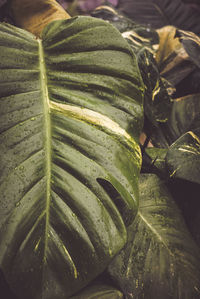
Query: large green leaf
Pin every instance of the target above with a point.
(70, 118)
(140, 36)
(144, 42)
(160, 259)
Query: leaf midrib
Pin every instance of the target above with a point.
(47, 137)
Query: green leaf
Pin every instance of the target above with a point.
(195, 227)
(183, 157)
(70, 119)
(157, 103)
(139, 36)
(191, 43)
(154, 161)
(185, 115)
(160, 259)
(111, 14)
(144, 42)
(159, 13)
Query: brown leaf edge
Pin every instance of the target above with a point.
(34, 15)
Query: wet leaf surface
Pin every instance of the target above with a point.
(183, 157)
(160, 259)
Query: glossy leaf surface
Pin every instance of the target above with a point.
(185, 115)
(183, 157)
(144, 42)
(70, 118)
(160, 259)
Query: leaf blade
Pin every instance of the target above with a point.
(51, 158)
(160, 252)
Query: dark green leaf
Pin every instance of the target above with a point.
(99, 291)
(189, 85)
(160, 259)
(185, 115)
(191, 43)
(183, 157)
(159, 13)
(195, 226)
(157, 102)
(70, 118)
(186, 194)
(139, 36)
(108, 13)
(156, 161)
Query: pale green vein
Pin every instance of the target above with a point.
(194, 136)
(47, 135)
(28, 236)
(71, 261)
(153, 230)
(97, 119)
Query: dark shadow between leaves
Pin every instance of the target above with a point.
(117, 200)
(5, 291)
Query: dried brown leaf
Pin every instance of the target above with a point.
(35, 15)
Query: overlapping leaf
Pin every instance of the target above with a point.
(173, 61)
(35, 15)
(154, 161)
(177, 58)
(144, 42)
(99, 291)
(160, 259)
(185, 115)
(183, 157)
(70, 118)
(159, 13)
(191, 43)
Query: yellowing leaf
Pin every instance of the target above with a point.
(35, 15)
(168, 43)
